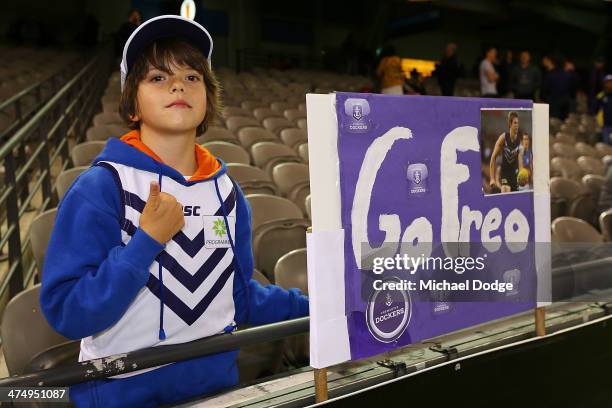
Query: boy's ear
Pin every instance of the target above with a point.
(134, 118)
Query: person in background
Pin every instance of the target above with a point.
(595, 81)
(505, 72)
(525, 79)
(389, 72)
(448, 70)
(127, 28)
(555, 88)
(603, 110)
(488, 74)
(574, 83)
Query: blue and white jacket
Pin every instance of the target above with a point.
(107, 282)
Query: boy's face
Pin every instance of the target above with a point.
(172, 102)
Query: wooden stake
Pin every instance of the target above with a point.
(540, 321)
(320, 380)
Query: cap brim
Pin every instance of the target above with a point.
(163, 27)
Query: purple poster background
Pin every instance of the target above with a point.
(430, 120)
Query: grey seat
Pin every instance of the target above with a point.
(40, 234)
(570, 229)
(568, 168)
(252, 180)
(593, 184)
(84, 153)
(275, 125)
(106, 118)
(66, 178)
(268, 208)
(217, 133)
(267, 154)
(584, 149)
(293, 181)
(605, 224)
(228, 152)
(230, 111)
(235, 123)
(248, 136)
(294, 114)
(291, 272)
(293, 136)
(302, 150)
(591, 165)
(26, 333)
(302, 124)
(263, 113)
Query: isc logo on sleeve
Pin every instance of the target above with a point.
(215, 231)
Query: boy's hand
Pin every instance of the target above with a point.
(162, 216)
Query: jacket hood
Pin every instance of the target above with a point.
(131, 151)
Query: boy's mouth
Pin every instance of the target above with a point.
(179, 103)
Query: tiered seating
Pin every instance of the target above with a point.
(577, 166)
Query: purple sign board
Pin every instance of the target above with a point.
(411, 181)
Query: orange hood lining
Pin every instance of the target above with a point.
(207, 164)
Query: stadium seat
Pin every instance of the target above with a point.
(230, 111)
(105, 132)
(66, 178)
(565, 138)
(252, 180)
(217, 133)
(294, 114)
(603, 149)
(252, 105)
(584, 149)
(23, 342)
(302, 107)
(248, 136)
(280, 107)
(228, 152)
(84, 153)
(291, 272)
(235, 123)
(40, 233)
(570, 229)
(564, 150)
(268, 208)
(605, 224)
(275, 125)
(301, 123)
(293, 182)
(593, 183)
(263, 113)
(273, 239)
(267, 154)
(568, 168)
(591, 165)
(107, 118)
(110, 107)
(293, 136)
(308, 207)
(302, 150)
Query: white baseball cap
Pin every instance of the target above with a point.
(162, 27)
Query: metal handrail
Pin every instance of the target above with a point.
(15, 102)
(156, 356)
(67, 112)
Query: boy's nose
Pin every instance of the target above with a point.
(177, 86)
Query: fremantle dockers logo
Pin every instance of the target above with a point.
(388, 313)
(357, 110)
(417, 176)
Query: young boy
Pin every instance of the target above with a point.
(152, 244)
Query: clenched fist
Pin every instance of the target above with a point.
(162, 216)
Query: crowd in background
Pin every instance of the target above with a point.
(554, 80)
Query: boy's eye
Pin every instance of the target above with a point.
(193, 78)
(157, 78)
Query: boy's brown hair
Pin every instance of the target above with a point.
(160, 55)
